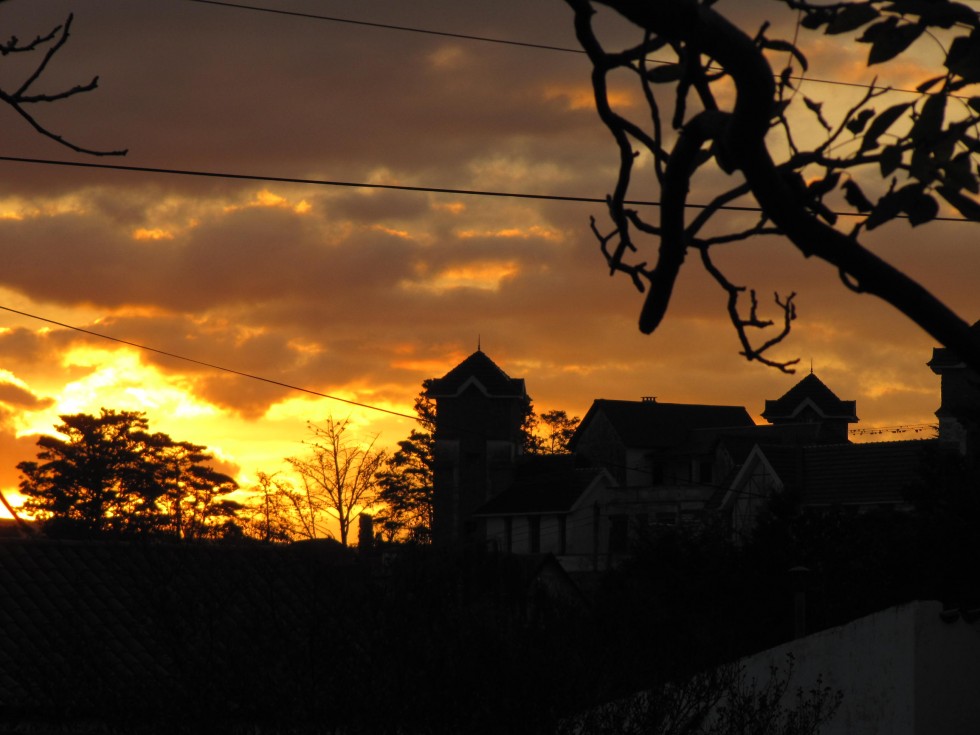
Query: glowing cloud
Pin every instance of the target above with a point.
(484, 276)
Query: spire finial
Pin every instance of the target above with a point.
(811, 366)
(478, 346)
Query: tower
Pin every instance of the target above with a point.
(812, 402)
(479, 413)
(959, 406)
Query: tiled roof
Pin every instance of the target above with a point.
(739, 440)
(847, 474)
(481, 369)
(650, 424)
(105, 631)
(547, 484)
(810, 390)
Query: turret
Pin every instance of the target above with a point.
(479, 413)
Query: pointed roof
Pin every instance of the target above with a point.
(482, 372)
(943, 357)
(543, 484)
(811, 392)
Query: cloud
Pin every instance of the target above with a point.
(363, 293)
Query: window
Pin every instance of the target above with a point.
(534, 524)
(705, 473)
(657, 473)
(618, 533)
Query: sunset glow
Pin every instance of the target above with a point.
(280, 293)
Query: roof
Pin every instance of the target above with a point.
(739, 440)
(810, 391)
(849, 474)
(542, 484)
(650, 424)
(479, 370)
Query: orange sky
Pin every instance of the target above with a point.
(362, 294)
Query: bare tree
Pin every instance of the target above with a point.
(722, 701)
(23, 97)
(878, 165)
(337, 476)
(269, 510)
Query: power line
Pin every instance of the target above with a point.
(391, 187)
(391, 27)
(505, 41)
(208, 364)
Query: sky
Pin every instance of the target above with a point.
(360, 293)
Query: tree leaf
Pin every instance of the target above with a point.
(938, 14)
(881, 124)
(964, 204)
(818, 188)
(776, 45)
(887, 209)
(963, 58)
(924, 87)
(891, 159)
(855, 197)
(911, 199)
(664, 73)
(928, 125)
(816, 108)
(815, 18)
(919, 206)
(856, 125)
(959, 174)
(851, 18)
(889, 38)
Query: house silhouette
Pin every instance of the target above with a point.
(643, 463)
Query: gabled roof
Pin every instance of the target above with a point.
(481, 371)
(544, 484)
(811, 392)
(650, 424)
(739, 440)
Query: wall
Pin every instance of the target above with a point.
(902, 671)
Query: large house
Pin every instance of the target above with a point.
(637, 464)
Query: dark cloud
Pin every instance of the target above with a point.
(368, 292)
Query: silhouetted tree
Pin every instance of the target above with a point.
(21, 96)
(405, 480)
(561, 428)
(338, 477)
(194, 503)
(718, 106)
(269, 510)
(111, 476)
(405, 489)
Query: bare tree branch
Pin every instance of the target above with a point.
(935, 153)
(20, 98)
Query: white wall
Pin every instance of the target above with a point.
(902, 671)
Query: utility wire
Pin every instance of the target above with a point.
(391, 187)
(209, 365)
(390, 27)
(505, 41)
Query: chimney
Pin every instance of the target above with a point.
(365, 532)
